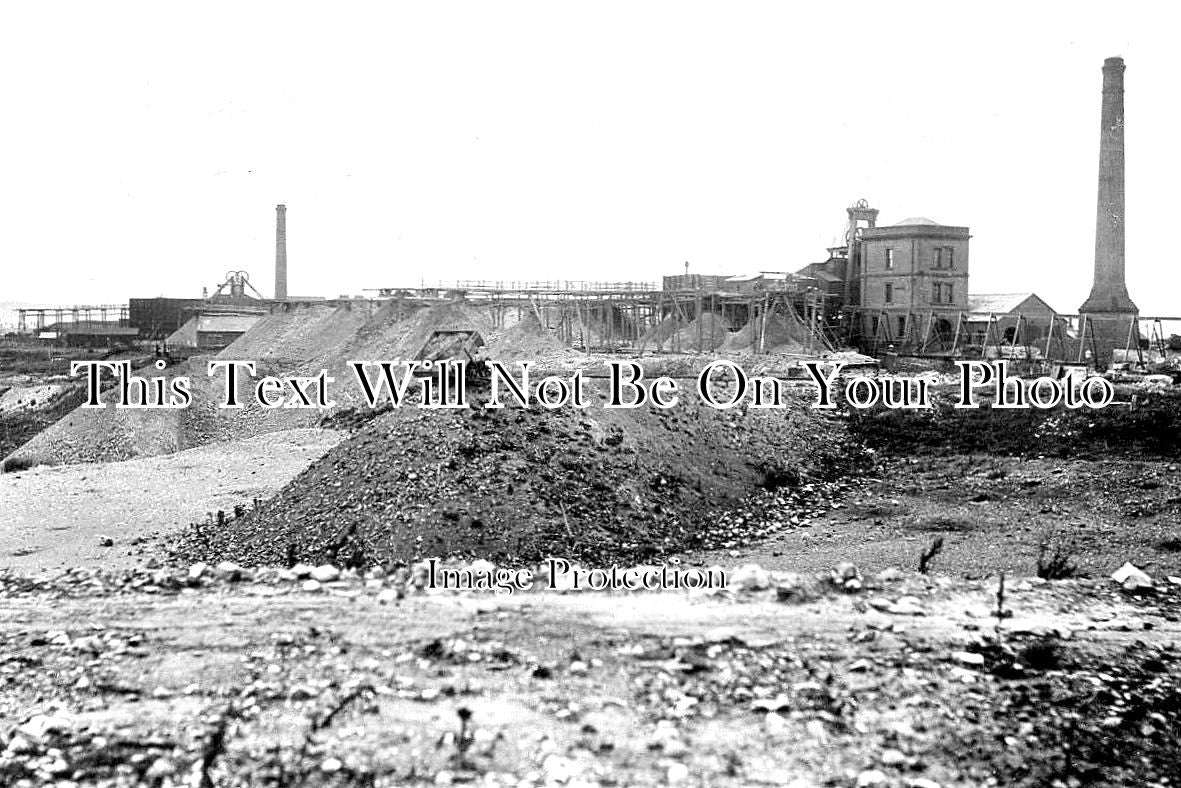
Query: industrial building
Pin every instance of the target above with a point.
(212, 322)
(1015, 317)
(89, 334)
(902, 287)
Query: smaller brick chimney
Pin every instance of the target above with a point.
(280, 252)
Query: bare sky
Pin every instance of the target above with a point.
(144, 146)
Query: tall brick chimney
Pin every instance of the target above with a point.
(1109, 293)
(1109, 311)
(280, 252)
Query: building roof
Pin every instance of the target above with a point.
(914, 226)
(773, 276)
(226, 324)
(94, 327)
(1001, 303)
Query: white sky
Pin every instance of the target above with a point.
(143, 147)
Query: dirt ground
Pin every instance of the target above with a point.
(54, 516)
(134, 677)
(118, 669)
(517, 484)
(993, 514)
(908, 682)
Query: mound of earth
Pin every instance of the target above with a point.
(26, 412)
(29, 398)
(777, 334)
(526, 340)
(301, 335)
(603, 327)
(388, 338)
(103, 434)
(661, 334)
(518, 484)
(111, 434)
(706, 333)
(295, 340)
(185, 336)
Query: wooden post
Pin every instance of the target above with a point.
(660, 322)
(763, 330)
(607, 315)
(582, 327)
(810, 317)
(1016, 333)
(698, 318)
(1128, 345)
(955, 340)
(683, 319)
(1050, 335)
(987, 335)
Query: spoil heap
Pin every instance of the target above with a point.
(293, 341)
(661, 334)
(518, 484)
(185, 336)
(704, 334)
(105, 434)
(526, 340)
(394, 335)
(301, 333)
(777, 334)
(301, 339)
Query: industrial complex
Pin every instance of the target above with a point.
(903, 288)
(553, 548)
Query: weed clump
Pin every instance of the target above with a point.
(1055, 559)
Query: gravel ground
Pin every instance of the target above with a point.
(520, 484)
(55, 516)
(151, 679)
(993, 515)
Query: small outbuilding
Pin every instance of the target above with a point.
(1018, 318)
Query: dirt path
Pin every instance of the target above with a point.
(334, 687)
(54, 516)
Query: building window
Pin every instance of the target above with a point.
(942, 293)
(901, 326)
(889, 293)
(889, 259)
(944, 257)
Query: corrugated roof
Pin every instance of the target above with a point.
(226, 323)
(773, 276)
(95, 327)
(997, 303)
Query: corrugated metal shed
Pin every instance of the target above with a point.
(225, 324)
(1006, 303)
